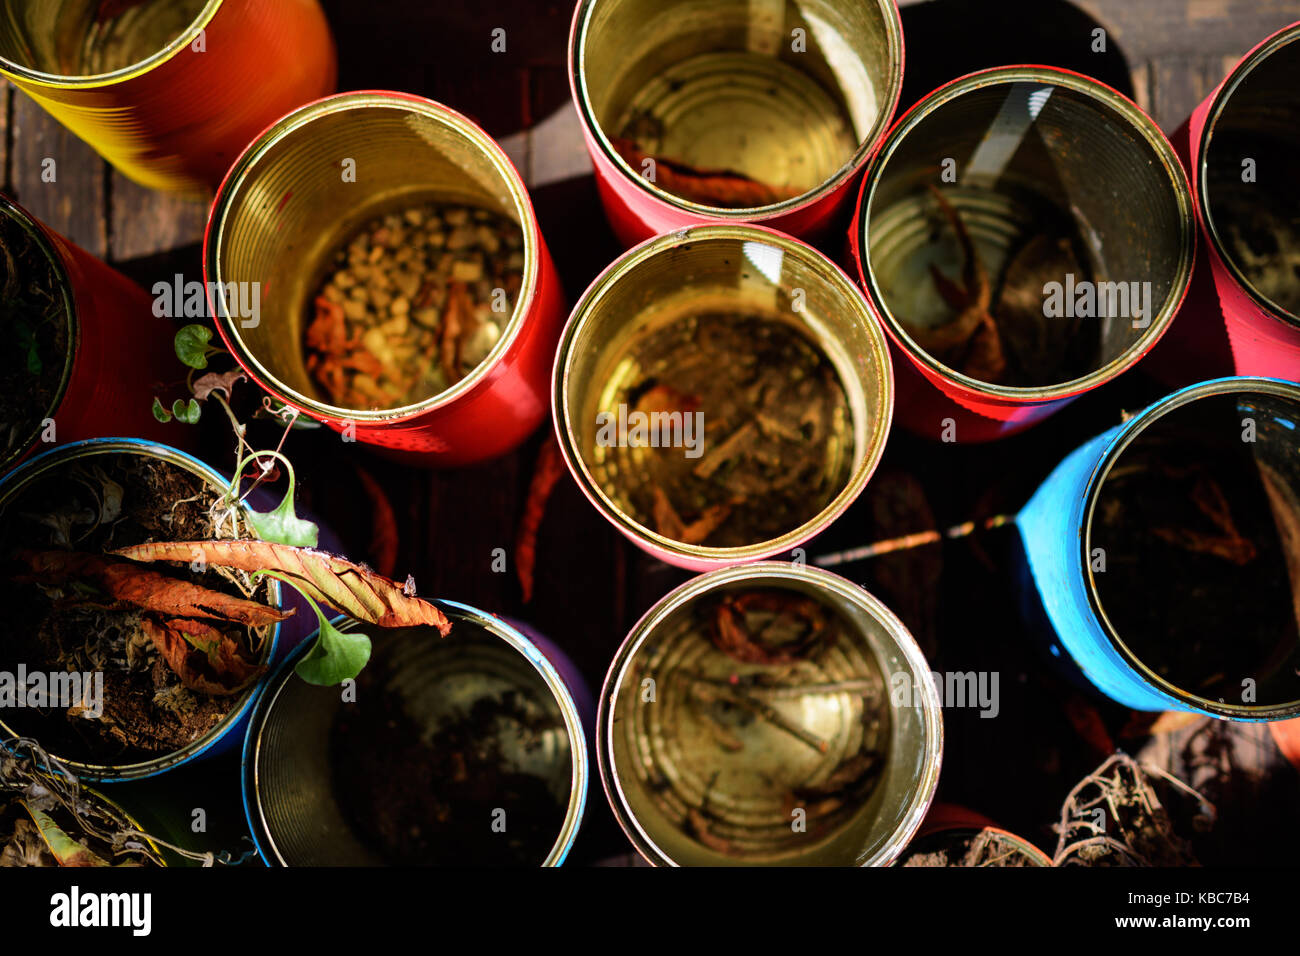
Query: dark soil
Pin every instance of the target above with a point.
(1196, 581)
(98, 504)
(36, 324)
(966, 848)
(418, 803)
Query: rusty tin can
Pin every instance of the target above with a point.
(225, 734)
(640, 331)
(709, 761)
(290, 201)
(1243, 140)
(168, 91)
(746, 111)
(1063, 184)
(291, 782)
(116, 352)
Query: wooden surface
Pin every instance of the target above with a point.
(959, 598)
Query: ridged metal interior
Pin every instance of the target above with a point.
(1085, 158)
(728, 269)
(726, 89)
(1255, 117)
(659, 756)
(70, 38)
(293, 800)
(287, 207)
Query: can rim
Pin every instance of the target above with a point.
(17, 71)
(493, 624)
(1029, 849)
(231, 189)
(72, 318)
(578, 87)
(822, 580)
(19, 478)
(1107, 97)
(562, 376)
(1218, 104)
(1127, 434)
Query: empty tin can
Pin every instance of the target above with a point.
(720, 745)
(302, 189)
(722, 394)
(463, 750)
(1025, 234)
(168, 91)
(1165, 550)
(1243, 140)
(708, 110)
(100, 352)
(224, 734)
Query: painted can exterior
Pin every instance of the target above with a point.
(120, 351)
(636, 210)
(1263, 339)
(916, 741)
(490, 411)
(226, 735)
(559, 673)
(178, 119)
(1053, 527)
(930, 396)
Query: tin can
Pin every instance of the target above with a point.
(1032, 161)
(1242, 141)
(170, 91)
(225, 734)
(669, 283)
(779, 103)
(700, 781)
(1069, 523)
(310, 181)
(117, 351)
(947, 823)
(290, 780)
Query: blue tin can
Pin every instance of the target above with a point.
(290, 781)
(1056, 528)
(225, 735)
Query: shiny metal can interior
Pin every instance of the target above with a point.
(288, 203)
(657, 762)
(216, 738)
(718, 267)
(792, 93)
(1010, 148)
(289, 790)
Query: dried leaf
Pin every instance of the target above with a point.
(223, 382)
(65, 849)
(205, 659)
(351, 588)
(547, 471)
(131, 584)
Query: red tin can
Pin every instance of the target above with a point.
(1241, 148)
(791, 99)
(189, 96)
(118, 354)
(1019, 154)
(288, 203)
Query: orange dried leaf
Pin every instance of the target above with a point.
(204, 658)
(351, 588)
(131, 584)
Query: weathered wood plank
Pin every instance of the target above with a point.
(72, 201)
(144, 222)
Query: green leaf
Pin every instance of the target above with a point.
(192, 345)
(159, 412)
(34, 365)
(187, 412)
(335, 657)
(281, 525)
